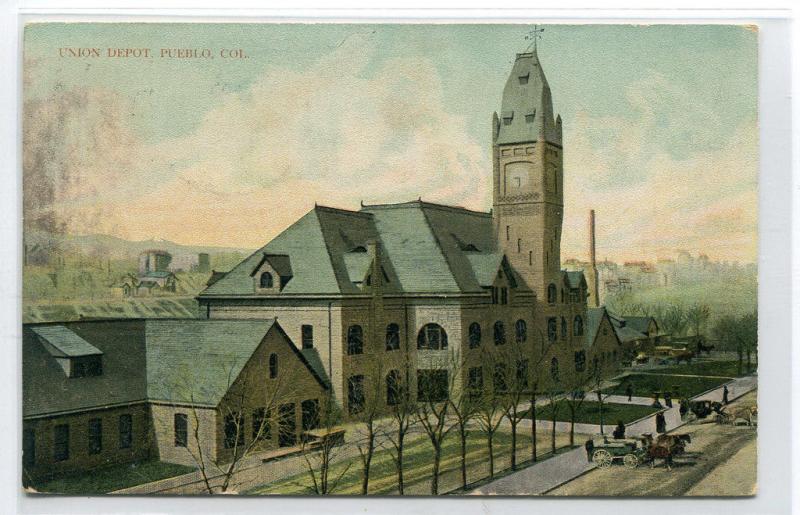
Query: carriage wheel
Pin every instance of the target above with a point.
(631, 461)
(602, 458)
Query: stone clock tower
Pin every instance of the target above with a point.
(528, 194)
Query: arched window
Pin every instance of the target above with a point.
(563, 328)
(355, 340)
(266, 280)
(521, 331)
(432, 337)
(273, 366)
(577, 326)
(499, 333)
(519, 244)
(474, 335)
(562, 295)
(551, 294)
(393, 388)
(554, 369)
(392, 336)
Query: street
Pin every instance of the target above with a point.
(720, 460)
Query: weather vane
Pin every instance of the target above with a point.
(534, 35)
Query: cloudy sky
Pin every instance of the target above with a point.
(660, 129)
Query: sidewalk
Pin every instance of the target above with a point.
(541, 478)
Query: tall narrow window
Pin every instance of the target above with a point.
(554, 369)
(577, 327)
(266, 280)
(530, 257)
(307, 336)
(563, 328)
(355, 394)
(310, 414)
(125, 431)
(393, 392)
(234, 430)
(95, 436)
(503, 295)
(260, 425)
(522, 374)
(519, 244)
(551, 293)
(508, 232)
(273, 365)
(521, 330)
(474, 335)
(61, 442)
(392, 337)
(552, 331)
(580, 361)
(180, 426)
(475, 381)
(499, 333)
(355, 340)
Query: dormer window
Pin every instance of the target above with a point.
(530, 116)
(76, 356)
(508, 116)
(266, 280)
(272, 273)
(523, 79)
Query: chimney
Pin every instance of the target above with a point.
(593, 279)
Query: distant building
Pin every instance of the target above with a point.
(154, 261)
(203, 262)
(117, 391)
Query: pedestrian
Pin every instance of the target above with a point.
(668, 399)
(684, 408)
(629, 391)
(656, 402)
(661, 423)
(589, 446)
(725, 395)
(619, 432)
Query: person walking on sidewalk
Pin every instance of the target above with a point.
(725, 395)
(661, 423)
(668, 398)
(629, 391)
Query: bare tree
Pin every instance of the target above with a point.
(464, 402)
(368, 417)
(518, 388)
(433, 406)
(696, 317)
(490, 408)
(402, 409)
(318, 455)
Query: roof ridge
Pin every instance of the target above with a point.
(342, 211)
(425, 204)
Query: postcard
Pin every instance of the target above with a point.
(390, 259)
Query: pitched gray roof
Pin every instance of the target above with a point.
(624, 331)
(574, 278)
(528, 97)
(424, 248)
(639, 323)
(593, 318)
(65, 342)
(147, 360)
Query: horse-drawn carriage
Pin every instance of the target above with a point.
(743, 415)
(636, 451)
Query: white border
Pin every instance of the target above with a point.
(775, 261)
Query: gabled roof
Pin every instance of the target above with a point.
(575, 278)
(423, 248)
(158, 274)
(624, 331)
(65, 343)
(593, 318)
(167, 360)
(640, 323)
(279, 262)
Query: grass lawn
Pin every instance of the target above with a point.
(115, 477)
(417, 466)
(705, 368)
(644, 385)
(589, 412)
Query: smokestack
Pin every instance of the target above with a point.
(592, 249)
(593, 279)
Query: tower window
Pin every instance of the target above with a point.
(529, 118)
(519, 244)
(551, 293)
(508, 232)
(530, 257)
(523, 79)
(273, 365)
(307, 336)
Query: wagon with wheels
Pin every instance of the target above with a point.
(604, 451)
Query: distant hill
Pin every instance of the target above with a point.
(117, 248)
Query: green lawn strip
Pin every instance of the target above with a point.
(645, 384)
(417, 465)
(115, 477)
(705, 368)
(589, 412)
